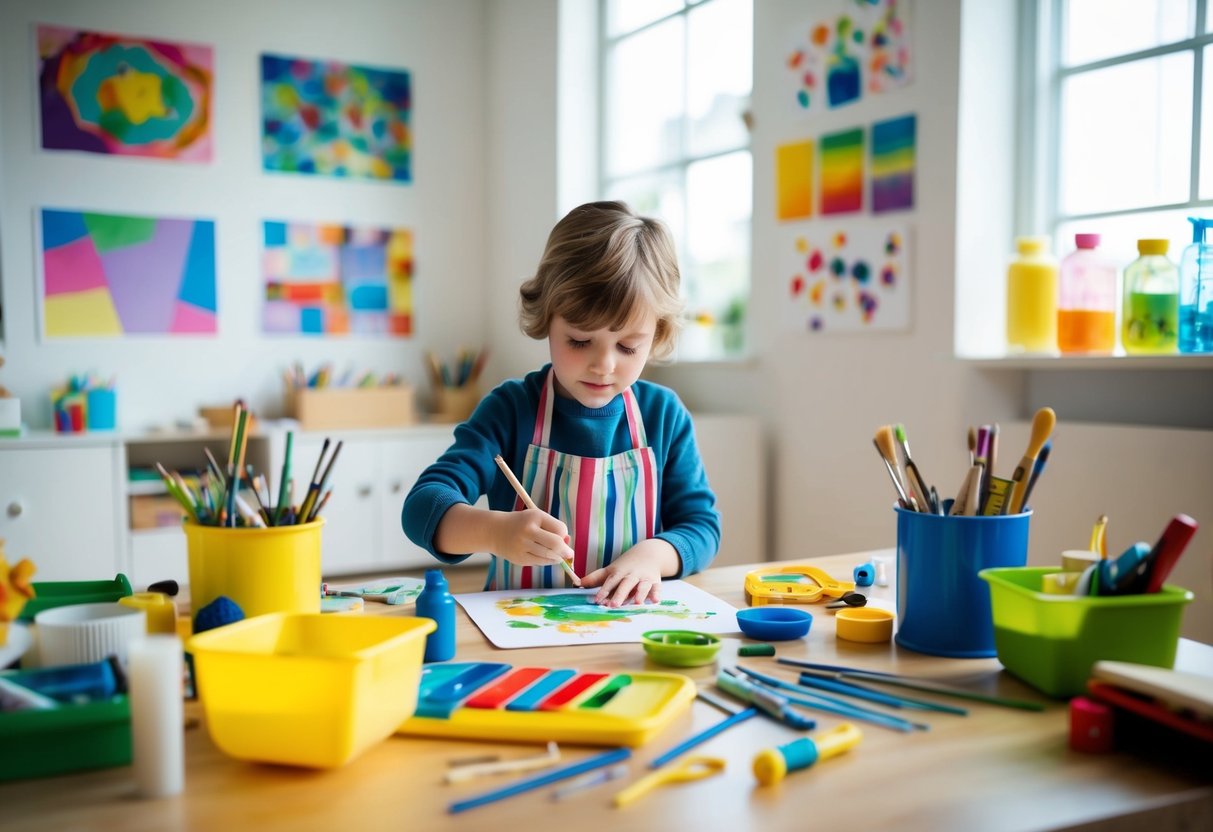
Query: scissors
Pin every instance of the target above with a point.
(692, 768)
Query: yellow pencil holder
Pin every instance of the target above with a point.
(276, 569)
(455, 404)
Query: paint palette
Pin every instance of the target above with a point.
(495, 701)
(795, 584)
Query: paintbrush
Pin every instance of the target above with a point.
(918, 486)
(1042, 426)
(529, 503)
(903, 498)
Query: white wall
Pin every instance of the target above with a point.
(161, 380)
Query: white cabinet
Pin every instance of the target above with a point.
(60, 506)
(370, 479)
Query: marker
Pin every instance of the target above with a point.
(771, 765)
(1167, 550)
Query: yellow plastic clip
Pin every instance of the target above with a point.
(692, 768)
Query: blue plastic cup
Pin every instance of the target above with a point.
(943, 608)
(102, 409)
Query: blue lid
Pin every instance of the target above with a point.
(1198, 228)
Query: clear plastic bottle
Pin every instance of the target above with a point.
(1150, 316)
(1196, 290)
(1032, 298)
(1086, 300)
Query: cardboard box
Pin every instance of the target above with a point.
(150, 511)
(352, 407)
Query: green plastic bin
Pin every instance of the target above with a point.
(50, 594)
(67, 738)
(1051, 641)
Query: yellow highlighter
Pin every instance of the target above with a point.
(771, 765)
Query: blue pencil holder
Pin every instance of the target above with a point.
(102, 409)
(943, 608)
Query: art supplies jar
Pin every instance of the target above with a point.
(1150, 316)
(455, 404)
(1086, 300)
(436, 603)
(1032, 298)
(1196, 291)
(275, 569)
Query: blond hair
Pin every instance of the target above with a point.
(601, 264)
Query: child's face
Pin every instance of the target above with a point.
(594, 366)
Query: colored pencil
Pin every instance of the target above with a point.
(702, 736)
(284, 479)
(606, 758)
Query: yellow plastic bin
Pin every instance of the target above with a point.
(1051, 641)
(308, 690)
(276, 569)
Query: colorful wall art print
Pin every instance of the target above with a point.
(512, 618)
(794, 181)
(331, 279)
(893, 162)
(861, 49)
(125, 95)
(335, 119)
(106, 275)
(842, 172)
(847, 278)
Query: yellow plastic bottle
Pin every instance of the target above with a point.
(1032, 298)
(1150, 316)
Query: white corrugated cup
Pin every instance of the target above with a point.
(85, 633)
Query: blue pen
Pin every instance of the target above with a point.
(589, 764)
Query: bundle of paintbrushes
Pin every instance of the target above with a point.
(981, 493)
(214, 498)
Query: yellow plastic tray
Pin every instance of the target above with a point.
(796, 584)
(636, 712)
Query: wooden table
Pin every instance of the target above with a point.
(996, 769)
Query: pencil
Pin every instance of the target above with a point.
(529, 503)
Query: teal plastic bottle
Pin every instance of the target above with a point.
(1196, 290)
(436, 602)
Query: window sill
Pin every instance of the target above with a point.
(1091, 362)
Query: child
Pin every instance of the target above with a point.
(609, 460)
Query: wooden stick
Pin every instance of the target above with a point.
(529, 503)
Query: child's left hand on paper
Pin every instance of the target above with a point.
(633, 577)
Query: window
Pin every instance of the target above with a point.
(676, 78)
(1125, 139)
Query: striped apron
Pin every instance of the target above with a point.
(608, 503)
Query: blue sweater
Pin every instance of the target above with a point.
(504, 423)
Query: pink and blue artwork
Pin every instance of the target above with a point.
(108, 275)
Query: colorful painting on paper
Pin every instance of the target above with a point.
(794, 180)
(512, 618)
(331, 279)
(853, 277)
(864, 48)
(842, 172)
(893, 162)
(124, 95)
(335, 119)
(105, 275)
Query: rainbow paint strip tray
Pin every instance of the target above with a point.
(494, 701)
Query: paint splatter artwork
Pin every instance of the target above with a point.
(335, 119)
(331, 279)
(124, 95)
(512, 618)
(862, 49)
(847, 278)
(105, 275)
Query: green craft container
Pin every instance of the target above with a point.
(67, 738)
(1051, 641)
(50, 594)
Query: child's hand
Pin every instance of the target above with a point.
(531, 538)
(633, 577)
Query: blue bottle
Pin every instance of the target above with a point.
(435, 602)
(1196, 291)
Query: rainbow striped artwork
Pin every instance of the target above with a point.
(124, 95)
(847, 278)
(842, 171)
(106, 275)
(334, 119)
(893, 162)
(331, 279)
(794, 181)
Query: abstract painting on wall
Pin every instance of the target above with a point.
(512, 618)
(111, 275)
(794, 180)
(842, 171)
(862, 49)
(335, 119)
(124, 95)
(847, 278)
(331, 279)
(893, 162)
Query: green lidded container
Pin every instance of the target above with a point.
(68, 738)
(51, 594)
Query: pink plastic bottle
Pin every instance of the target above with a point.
(1086, 301)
